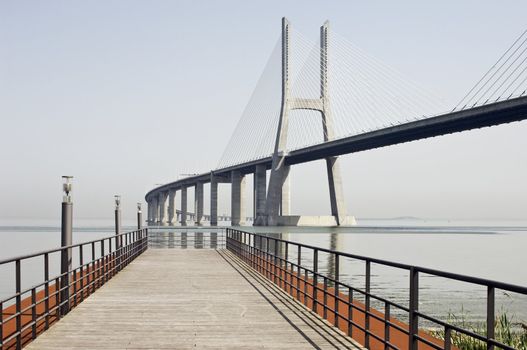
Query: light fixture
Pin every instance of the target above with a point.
(66, 187)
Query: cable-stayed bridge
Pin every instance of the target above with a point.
(320, 101)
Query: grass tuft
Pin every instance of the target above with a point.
(513, 334)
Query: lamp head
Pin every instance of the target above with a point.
(66, 187)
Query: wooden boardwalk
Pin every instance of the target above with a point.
(182, 299)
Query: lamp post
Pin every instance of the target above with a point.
(118, 239)
(139, 216)
(66, 240)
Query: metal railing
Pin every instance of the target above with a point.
(281, 261)
(159, 238)
(30, 311)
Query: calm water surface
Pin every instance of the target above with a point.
(493, 250)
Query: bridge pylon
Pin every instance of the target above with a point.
(278, 198)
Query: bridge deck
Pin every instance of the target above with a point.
(179, 299)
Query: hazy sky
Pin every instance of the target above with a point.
(127, 94)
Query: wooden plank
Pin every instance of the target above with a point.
(179, 299)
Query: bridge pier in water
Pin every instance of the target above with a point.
(260, 187)
(237, 198)
(213, 200)
(183, 218)
(172, 206)
(163, 209)
(198, 203)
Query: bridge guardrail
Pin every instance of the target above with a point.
(30, 311)
(272, 257)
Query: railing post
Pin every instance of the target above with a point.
(66, 240)
(315, 279)
(1, 325)
(92, 274)
(18, 306)
(111, 260)
(33, 313)
(386, 325)
(367, 306)
(299, 262)
(336, 288)
(491, 317)
(325, 309)
(350, 312)
(103, 263)
(81, 263)
(145, 239)
(287, 280)
(276, 259)
(448, 338)
(414, 304)
(57, 298)
(46, 290)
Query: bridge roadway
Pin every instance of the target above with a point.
(483, 116)
(183, 299)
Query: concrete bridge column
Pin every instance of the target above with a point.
(237, 198)
(260, 189)
(198, 202)
(285, 201)
(213, 200)
(171, 206)
(336, 194)
(149, 211)
(183, 206)
(163, 210)
(155, 210)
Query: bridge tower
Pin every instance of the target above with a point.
(277, 201)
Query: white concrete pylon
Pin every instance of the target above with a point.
(278, 193)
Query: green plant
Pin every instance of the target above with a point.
(507, 332)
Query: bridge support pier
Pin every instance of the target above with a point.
(171, 205)
(213, 200)
(336, 194)
(149, 211)
(237, 198)
(155, 206)
(285, 196)
(183, 206)
(163, 210)
(260, 189)
(198, 203)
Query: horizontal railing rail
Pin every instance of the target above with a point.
(31, 310)
(326, 294)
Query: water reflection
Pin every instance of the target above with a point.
(184, 240)
(331, 263)
(214, 240)
(170, 238)
(198, 240)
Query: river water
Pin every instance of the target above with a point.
(494, 250)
